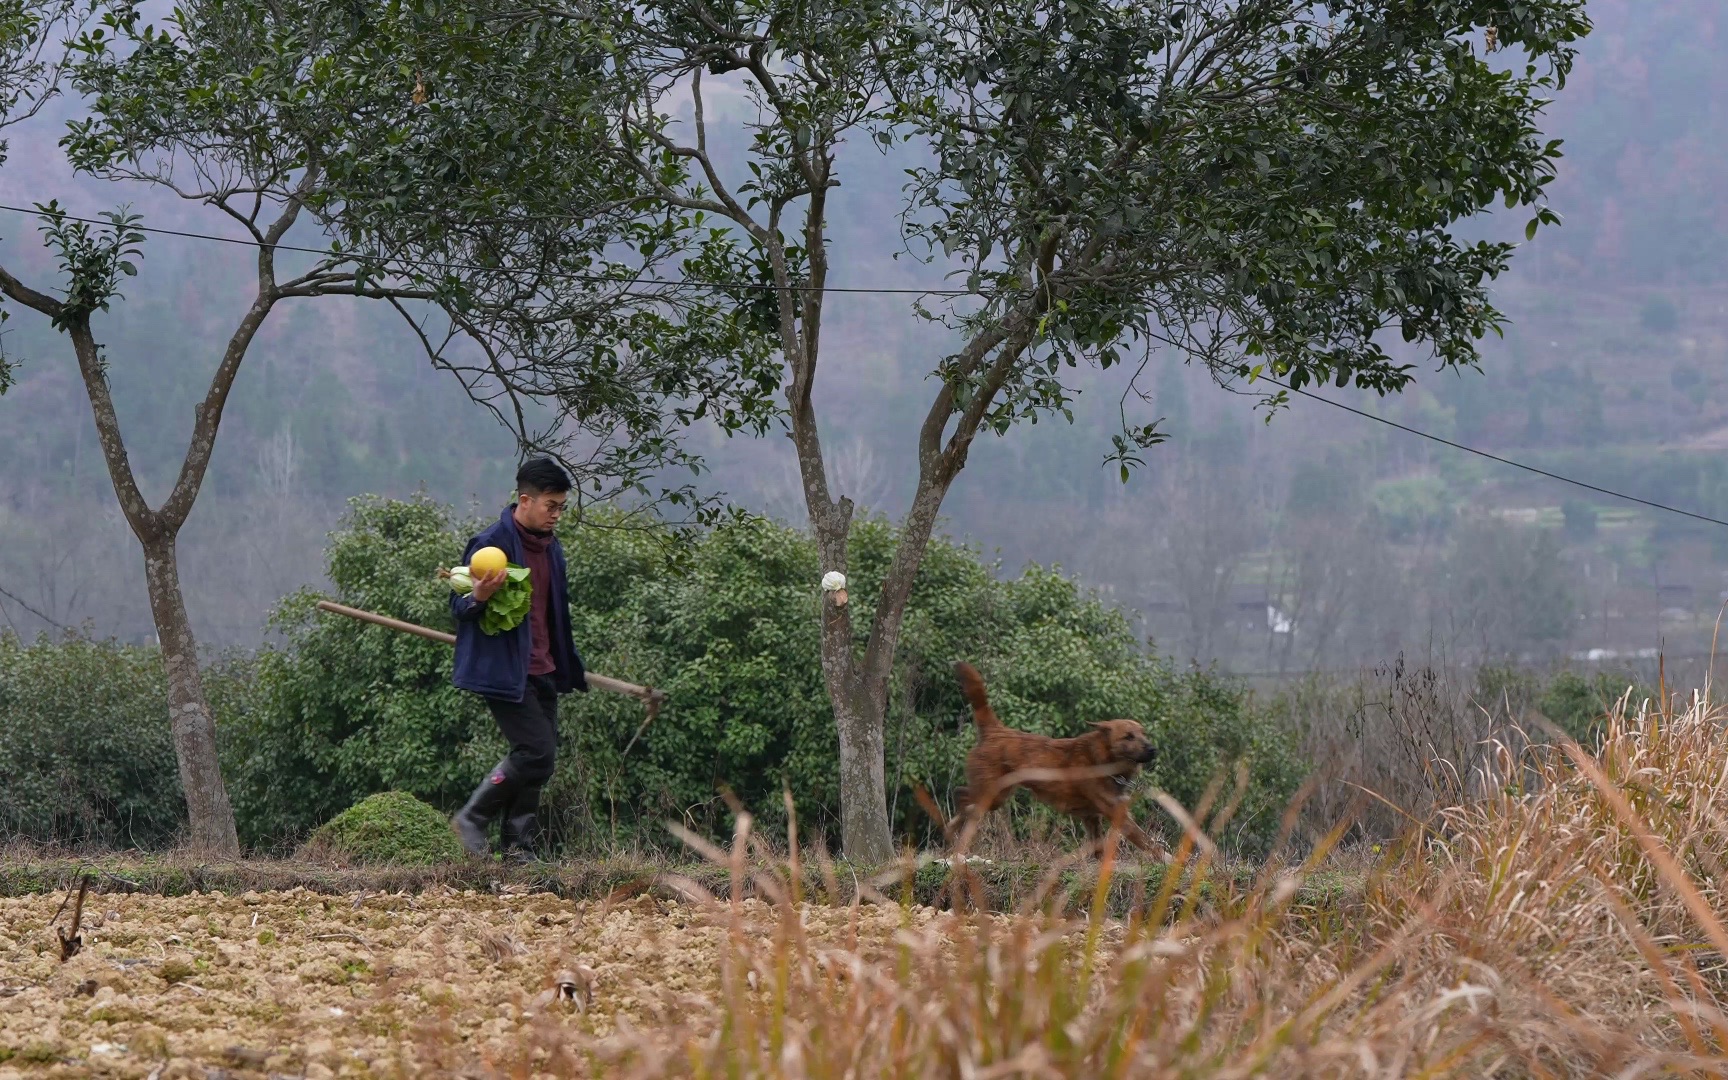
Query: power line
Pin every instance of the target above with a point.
(589, 279)
(1495, 457)
(882, 290)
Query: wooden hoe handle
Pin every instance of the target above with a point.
(647, 694)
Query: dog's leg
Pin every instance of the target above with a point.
(983, 793)
(1145, 843)
(969, 813)
(955, 827)
(1094, 837)
(1117, 812)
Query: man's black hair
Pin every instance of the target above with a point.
(542, 476)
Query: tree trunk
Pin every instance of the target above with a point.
(865, 831)
(190, 719)
(858, 687)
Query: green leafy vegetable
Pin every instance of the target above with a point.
(509, 605)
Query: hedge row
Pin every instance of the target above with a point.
(340, 709)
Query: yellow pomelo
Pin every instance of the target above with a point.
(488, 560)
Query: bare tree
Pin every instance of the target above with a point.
(857, 469)
(1210, 525)
(1329, 578)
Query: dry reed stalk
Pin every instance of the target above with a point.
(1547, 928)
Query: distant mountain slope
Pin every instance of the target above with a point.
(1644, 187)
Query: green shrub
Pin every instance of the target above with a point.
(84, 732)
(350, 709)
(1577, 704)
(345, 709)
(85, 741)
(730, 633)
(391, 827)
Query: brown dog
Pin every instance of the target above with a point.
(1085, 777)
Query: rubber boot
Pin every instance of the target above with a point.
(520, 828)
(472, 822)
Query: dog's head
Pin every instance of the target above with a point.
(1126, 739)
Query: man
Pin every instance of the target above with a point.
(520, 672)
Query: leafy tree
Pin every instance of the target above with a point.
(303, 119)
(1262, 186)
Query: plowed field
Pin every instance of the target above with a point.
(302, 984)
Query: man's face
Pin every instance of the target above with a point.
(540, 511)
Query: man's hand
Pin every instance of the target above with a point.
(485, 586)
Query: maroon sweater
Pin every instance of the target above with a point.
(536, 548)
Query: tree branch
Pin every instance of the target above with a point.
(207, 416)
(723, 205)
(93, 370)
(30, 298)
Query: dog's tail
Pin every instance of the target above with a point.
(972, 685)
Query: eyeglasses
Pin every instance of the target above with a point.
(555, 509)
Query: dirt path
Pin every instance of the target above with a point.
(298, 983)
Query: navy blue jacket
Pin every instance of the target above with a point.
(496, 665)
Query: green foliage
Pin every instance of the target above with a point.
(730, 633)
(85, 740)
(1575, 702)
(435, 155)
(510, 604)
(92, 260)
(1284, 180)
(1413, 506)
(1307, 209)
(1578, 703)
(28, 75)
(84, 732)
(390, 827)
(27, 61)
(348, 711)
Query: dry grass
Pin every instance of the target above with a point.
(1568, 922)
(1417, 736)
(1566, 925)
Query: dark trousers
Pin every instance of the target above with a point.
(530, 726)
